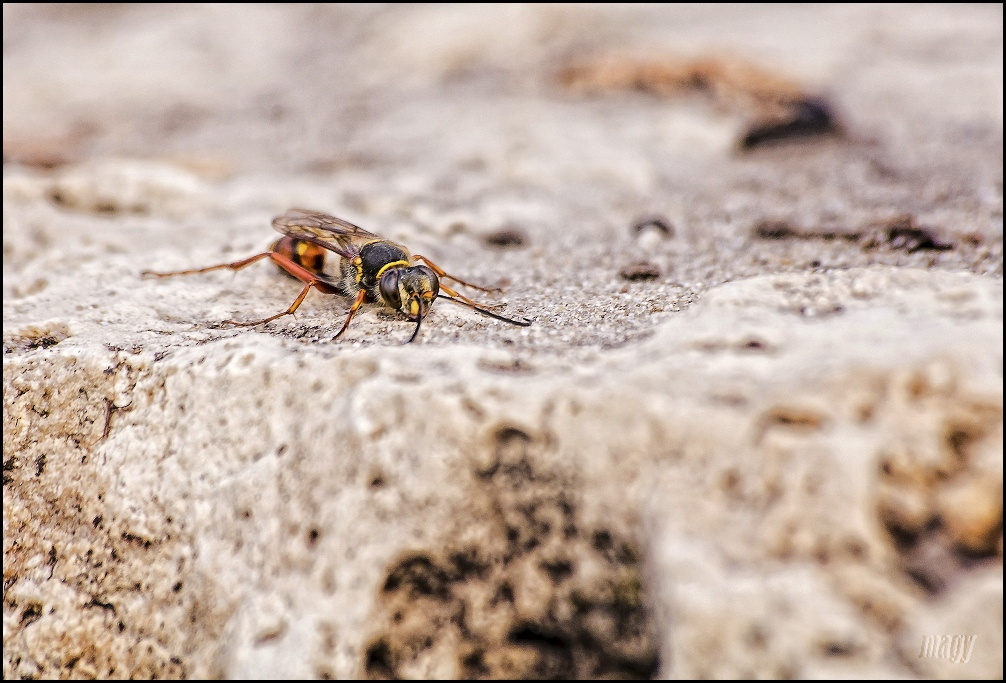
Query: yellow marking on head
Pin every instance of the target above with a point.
(358, 264)
(413, 307)
(393, 264)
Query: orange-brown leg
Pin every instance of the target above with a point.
(440, 273)
(360, 298)
(290, 311)
(237, 265)
(462, 297)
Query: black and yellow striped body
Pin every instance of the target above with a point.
(370, 269)
(306, 254)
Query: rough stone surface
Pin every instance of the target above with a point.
(779, 454)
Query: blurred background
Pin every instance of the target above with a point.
(316, 88)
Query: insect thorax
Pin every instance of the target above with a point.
(365, 270)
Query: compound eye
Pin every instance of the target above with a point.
(433, 280)
(389, 288)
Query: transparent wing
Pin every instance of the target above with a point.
(326, 231)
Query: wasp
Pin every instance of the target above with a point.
(371, 270)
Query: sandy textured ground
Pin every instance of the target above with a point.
(764, 440)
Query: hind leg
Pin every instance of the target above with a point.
(236, 265)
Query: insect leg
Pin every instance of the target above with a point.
(457, 295)
(293, 307)
(440, 273)
(352, 311)
(237, 265)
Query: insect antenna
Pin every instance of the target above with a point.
(522, 323)
(416, 331)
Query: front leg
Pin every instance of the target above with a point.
(360, 298)
(441, 274)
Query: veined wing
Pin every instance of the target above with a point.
(326, 231)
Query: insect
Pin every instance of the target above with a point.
(372, 269)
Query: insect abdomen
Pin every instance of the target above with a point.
(306, 254)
